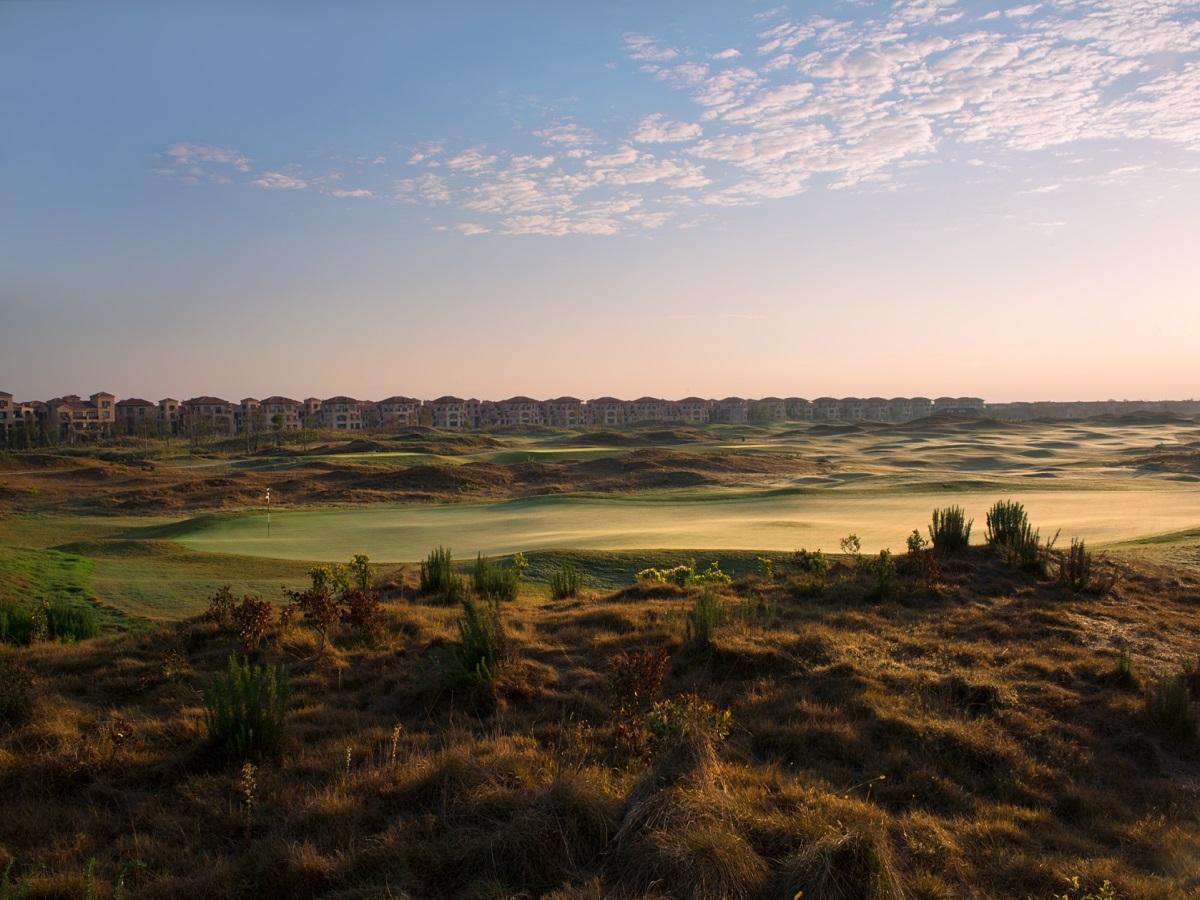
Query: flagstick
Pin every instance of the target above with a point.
(268, 512)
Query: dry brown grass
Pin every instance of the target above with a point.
(965, 742)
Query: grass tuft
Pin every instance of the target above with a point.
(245, 711)
(950, 531)
(1169, 704)
(566, 581)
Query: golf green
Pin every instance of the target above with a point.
(771, 521)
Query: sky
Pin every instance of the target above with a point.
(920, 197)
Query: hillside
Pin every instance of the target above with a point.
(967, 734)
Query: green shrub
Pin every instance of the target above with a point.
(69, 622)
(702, 620)
(1076, 572)
(245, 711)
(668, 720)
(1024, 550)
(1006, 522)
(883, 570)
(950, 531)
(712, 575)
(438, 575)
(495, 582)
(814, 568)
(220, 606)
(680, 576)
(1169, 704)
(1123, 669)
(16, 694)
(16, 624)
(482, 641)
(566, 581)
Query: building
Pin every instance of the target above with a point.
(605, 411)
(450, 413)
(563, 412)
(693, 410)
(70, 417)
(170, 411)
(958, 406)
(826, 409)
(203, 416)
(731, 410)
(402, 411)
(288, 412)
(875, 409)
(646, 409)
(900, 409)
(768, 409)
(8, 412)
(137, 416)
(798, 409)
(341, 414)
(519, 411)
(250, 417)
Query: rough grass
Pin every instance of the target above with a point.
(1010, 757)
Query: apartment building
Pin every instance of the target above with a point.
(7, 412)
(731, 410)
(341, 414)
(958, 406)
(768, 409)
(170, 412)
(288, 410)
(137, 416)
(825, 409)
(450, 413)
(209, 415)
(693, 410)
(605, 411)
(646, 409)
(398, 411)
(563, 412)
(519, 411)
(71, 417)
(798, 409)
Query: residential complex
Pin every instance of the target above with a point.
(71, 418)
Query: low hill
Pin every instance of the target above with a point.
(960, 730)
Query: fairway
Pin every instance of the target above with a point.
(762, 522)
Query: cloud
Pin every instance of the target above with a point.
(276, 181)
(429, 188)
(194, 163)
(359, 193)
(729, 53)
(472, 228)
(658, 129)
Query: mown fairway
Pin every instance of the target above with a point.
(774, 521)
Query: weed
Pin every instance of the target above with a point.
(1169, 704)
(1076, 571)
(245, 711)
(1006, 522)
(766, 568)
(950, 531)
(482, 641)
(705, 616)
(438, 575)
(669, 720)
(16, 693)
(883, 570)
(1076, 891)
(495, 582)
(1123, 672)
(566, 581)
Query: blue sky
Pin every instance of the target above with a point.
(842, 198)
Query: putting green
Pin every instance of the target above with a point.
(755, 522)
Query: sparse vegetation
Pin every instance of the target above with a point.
(16, 693)
(685, 575)
(493, 581)
(438, 575)
(704, 618)
(245, 711)
(950, 531)
(683, 716)
(566, 581)
(1123, 671)
(1077, 571)
(883, 575)
(1169, 703)
(1007, 523)
(482, 641)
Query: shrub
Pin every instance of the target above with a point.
(950, 531)
(16, 694)
(566, 581)
(16, 624)
(1123, 668)
(1169, 704)
(883, 570)
(1006, 522)
(253, 618)
(70, 622)
(333, 578)
(361, 573)
(245, 711)
(1024, 550)
(220, 607)
(438, 575)
(680, 576)
(1075, 571)
(495, 582)
(634, 682)
(482, 641)
(362, 610)
(705, 616)
(852, 546)
(669, 720)
(814, 566)
(713, 575)
(766, 568)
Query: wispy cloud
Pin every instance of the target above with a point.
(863, 102)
